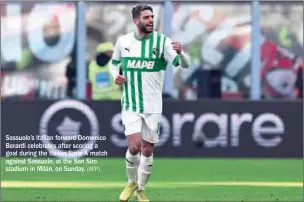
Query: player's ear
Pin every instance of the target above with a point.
(135, 20)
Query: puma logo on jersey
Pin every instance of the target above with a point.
(138, 64)
(127, 49)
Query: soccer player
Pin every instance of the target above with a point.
(143, 56)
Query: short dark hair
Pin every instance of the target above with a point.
(136, 11)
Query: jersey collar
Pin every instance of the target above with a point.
(141, 39)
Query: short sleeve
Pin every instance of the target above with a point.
(116, 57)
(116, 60)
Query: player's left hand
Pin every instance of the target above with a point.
(177, 46)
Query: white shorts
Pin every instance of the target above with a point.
(148, 125)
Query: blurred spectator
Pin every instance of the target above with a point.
(299, 83)
(71, 76)
(103, 86)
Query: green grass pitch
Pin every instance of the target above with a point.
(178, 179)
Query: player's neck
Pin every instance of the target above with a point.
(141, 35)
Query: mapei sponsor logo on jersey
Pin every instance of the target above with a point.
(138, 64)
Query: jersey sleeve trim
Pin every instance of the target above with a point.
(175, 62)
(115, 62)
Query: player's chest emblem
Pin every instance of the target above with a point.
(155, 51)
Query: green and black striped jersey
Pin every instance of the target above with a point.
(143, 62)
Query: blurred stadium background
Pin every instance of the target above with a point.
(220, 140)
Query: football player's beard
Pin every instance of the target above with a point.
(143, 28)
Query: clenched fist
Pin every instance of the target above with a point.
(120, 79)
(177, 46)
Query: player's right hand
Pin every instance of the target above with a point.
(120, 79)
